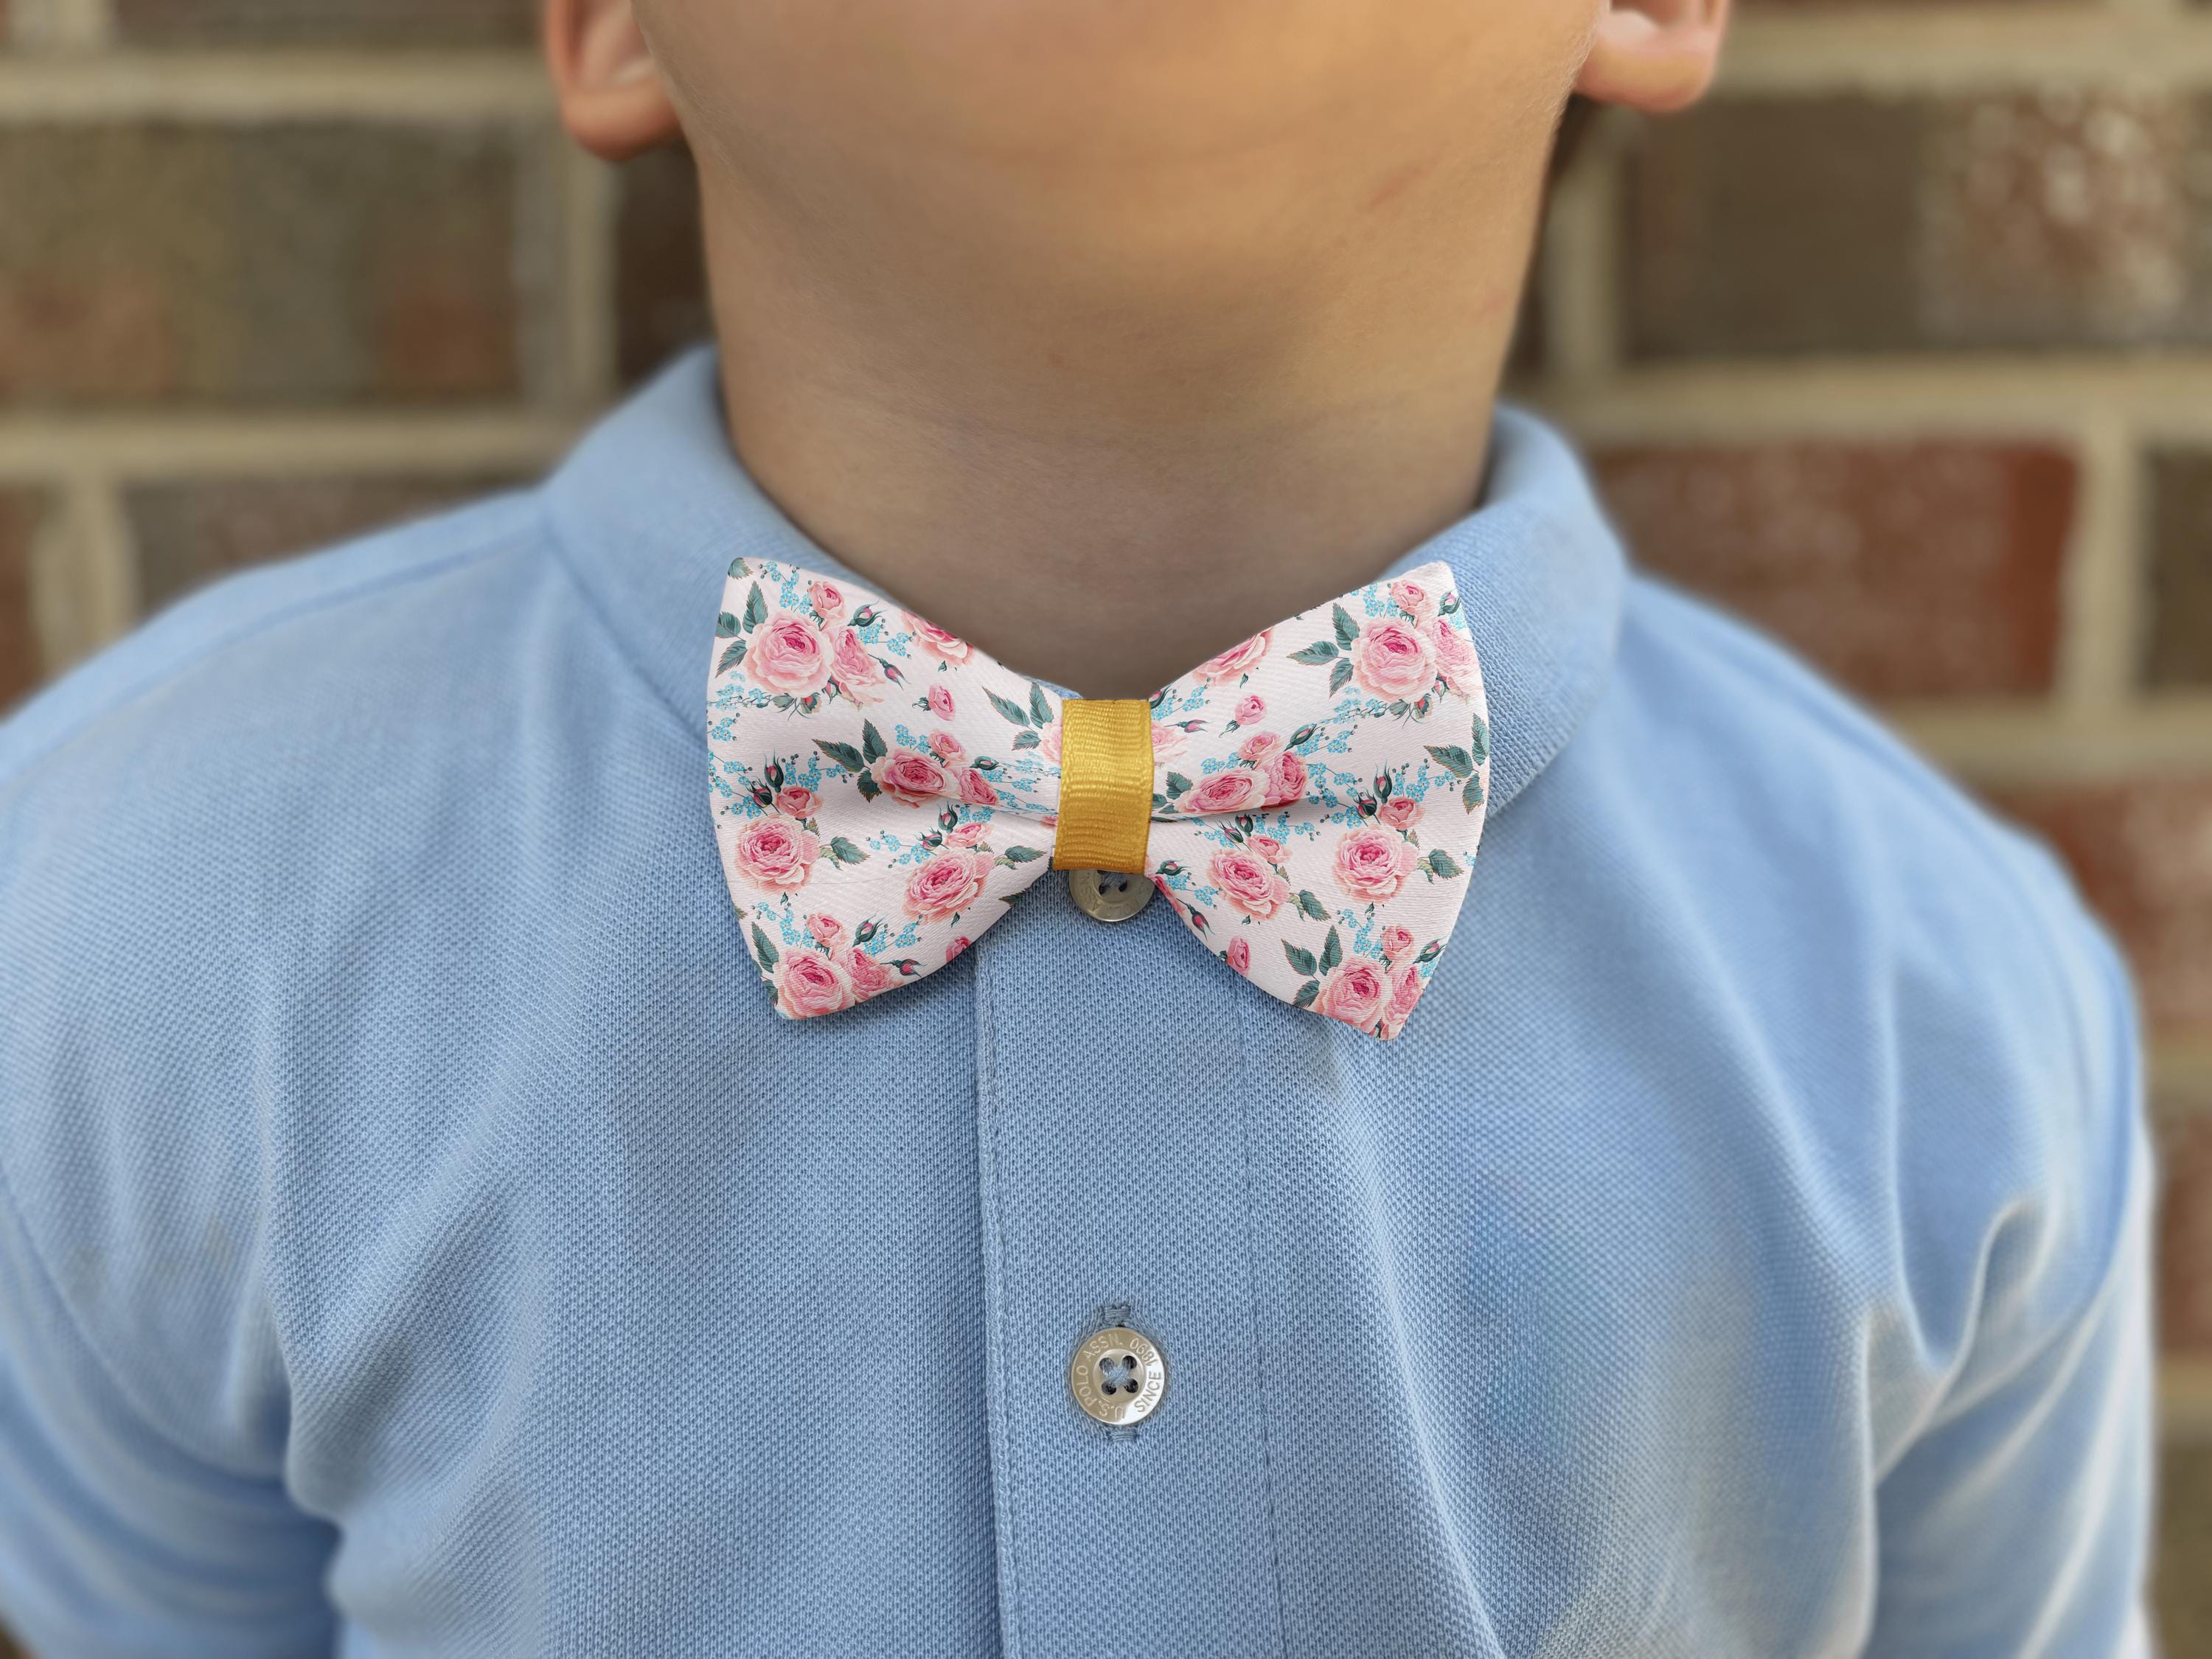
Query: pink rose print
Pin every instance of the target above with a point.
(940, 702)
(1248, 709)
(1415, 600)
(1168, 740)
(951, 647)
(870, 978)
(1251, 884)
(1260, 745)
(947, 884)
(1405, 988)
(946, 747)
(1392, 660)
(859, 677)
(776, 855)
(799, 803)
(1236, 662)
(1240, 954)
(1396, 941)
(1234, 790)
(808, 985)
(1401, 812)
(976, 790)
(829, 601)
(1355, 990)
(967, 834)
(1372, 864)
(1455, 657)
(955, 948)
(911, 778)
(1266, 846)
(789, 655)
(829, 932)
(1286, 779)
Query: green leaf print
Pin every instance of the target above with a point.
(1302, 962)
(1012, 710)
(1346, 629)
(844, 754)
(1312, 906)
(1026, 741)
(1453, 758)
(1339, 677)
(739, 568)
(1317, 654)
(845, 852)
(872, 742)
(1480, 744)
(756, 608)
(1444, 863)
(764, 951)
(1307, 993)
(1178, 785)
(725, 626)
(1332, 952)
(868, 785)
(1022, 854)
(1472, 797)
(1040, 710)
(731, 657)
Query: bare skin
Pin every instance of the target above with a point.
(1032, 312)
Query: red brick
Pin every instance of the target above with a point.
(660, 280)
(301, 264)
(2177, 642)
(2141, 849)
(188, 533)
(324, 22)
(22, 661)
(2184, 1230)
(2053, 218)
(1905, 570)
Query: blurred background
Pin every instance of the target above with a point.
(1901, 346)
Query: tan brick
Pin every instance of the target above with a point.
(2141, 849)
(247, 263)
(22, 663)
(1905, 570)
(660, 283)
(2059, 217)
(2177, 642)
(324, 22)
(2184, 1588)
(187, 533)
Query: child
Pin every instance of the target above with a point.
(1053, 962)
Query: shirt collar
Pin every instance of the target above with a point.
(653, 504)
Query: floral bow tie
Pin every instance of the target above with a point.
(1309, 802)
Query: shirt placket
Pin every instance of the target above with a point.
(1113, 1148)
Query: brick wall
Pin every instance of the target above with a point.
(1902, 346)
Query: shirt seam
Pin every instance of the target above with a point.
(268, 622)
(1245, 1091)
(994, 1384)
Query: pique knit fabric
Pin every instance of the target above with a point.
(420, 1236)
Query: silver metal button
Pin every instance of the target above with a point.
(1118, 1375)
(1109, 895)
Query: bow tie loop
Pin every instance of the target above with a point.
(1309, 801)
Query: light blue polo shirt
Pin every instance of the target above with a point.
(418, 1233)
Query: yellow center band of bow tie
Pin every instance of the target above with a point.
(1105, 784)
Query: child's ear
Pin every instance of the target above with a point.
(1653, 55)
(612, 99)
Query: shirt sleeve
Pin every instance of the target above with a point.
(114, 1539)
(2017, 1522)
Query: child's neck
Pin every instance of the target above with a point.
(1105, 496)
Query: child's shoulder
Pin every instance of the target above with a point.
(280, 640)
(1869, 893)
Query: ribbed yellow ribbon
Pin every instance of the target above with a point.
(1105, 784)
